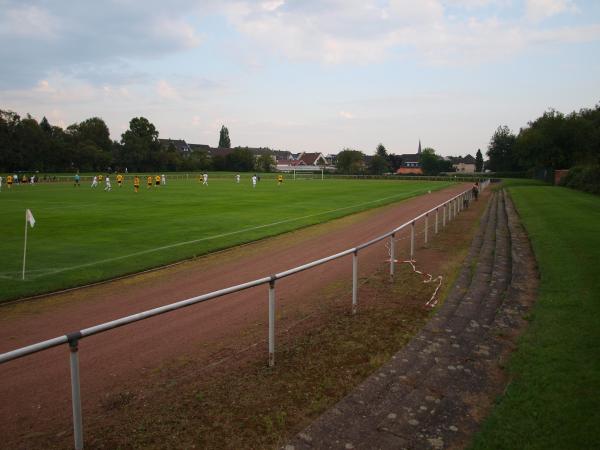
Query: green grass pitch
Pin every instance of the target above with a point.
(84, 235)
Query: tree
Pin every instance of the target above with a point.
(378, 165)
(429, 161)
(10, 158)
(350, 161)
(240, 160)
(379, 162)
(395, 161)
(140, 146)
(501, 151)
(264, 163)
(478, 161)
(381, 151)
(224, 140)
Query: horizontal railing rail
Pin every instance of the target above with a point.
(450, 209)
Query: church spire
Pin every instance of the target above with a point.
(419, 151)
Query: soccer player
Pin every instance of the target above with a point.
(120, 180)
(253, 181)
(136, 183)
(163, 179)
(237, 178)
(149, 181)
(95, 181)
(76, 178)
(157, 181)
(0, 184)
(107, 186)
(279, 179)
(9, 181)
(205, 179)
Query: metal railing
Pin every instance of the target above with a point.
(450, 208)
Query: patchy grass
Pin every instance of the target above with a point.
(552, 401)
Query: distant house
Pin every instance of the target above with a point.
(200, 147)
(179, 144)
(411, 163)
(313, 159)
(464, 165)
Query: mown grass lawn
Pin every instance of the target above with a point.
(553, 399)
(84, 235)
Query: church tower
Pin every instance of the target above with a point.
(419, 150)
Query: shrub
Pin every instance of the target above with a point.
(583, 178)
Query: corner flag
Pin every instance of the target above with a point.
(29, 218)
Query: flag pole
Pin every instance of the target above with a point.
(25, 246)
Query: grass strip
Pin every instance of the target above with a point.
(552, 400)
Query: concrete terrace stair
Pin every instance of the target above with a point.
(435, 392)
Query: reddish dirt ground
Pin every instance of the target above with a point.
(35, 390)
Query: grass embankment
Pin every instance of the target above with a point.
(553, 398)
(84, 235)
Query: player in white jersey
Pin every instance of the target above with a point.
(163, 179)
(254, 181)
(95, 181)
(108, 187)
(237, 178)
(205, 179)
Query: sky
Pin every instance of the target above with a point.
(304, 75)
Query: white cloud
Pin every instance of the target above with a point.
(346, 115)
(542, 9)
(362, 32)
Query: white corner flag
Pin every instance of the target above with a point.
(28, 219)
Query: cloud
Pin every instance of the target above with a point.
(78, 38)
(541, 9)
(346, 115)
(364, 32)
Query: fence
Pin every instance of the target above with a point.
(449, 210)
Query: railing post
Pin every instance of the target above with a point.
(426, 227)
(76, 392)
(444, 216)
(437, 213)
(412, 240)
(354, 281)
(392, 255)
(272, 322)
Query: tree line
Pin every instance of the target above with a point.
(552, 141)
(31, 146)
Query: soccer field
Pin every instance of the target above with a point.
(83, 235)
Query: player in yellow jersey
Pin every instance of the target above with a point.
(279, 179)
(149, 180)
(136, 183)
(120, 180)
(157, 181)
(9, 181)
